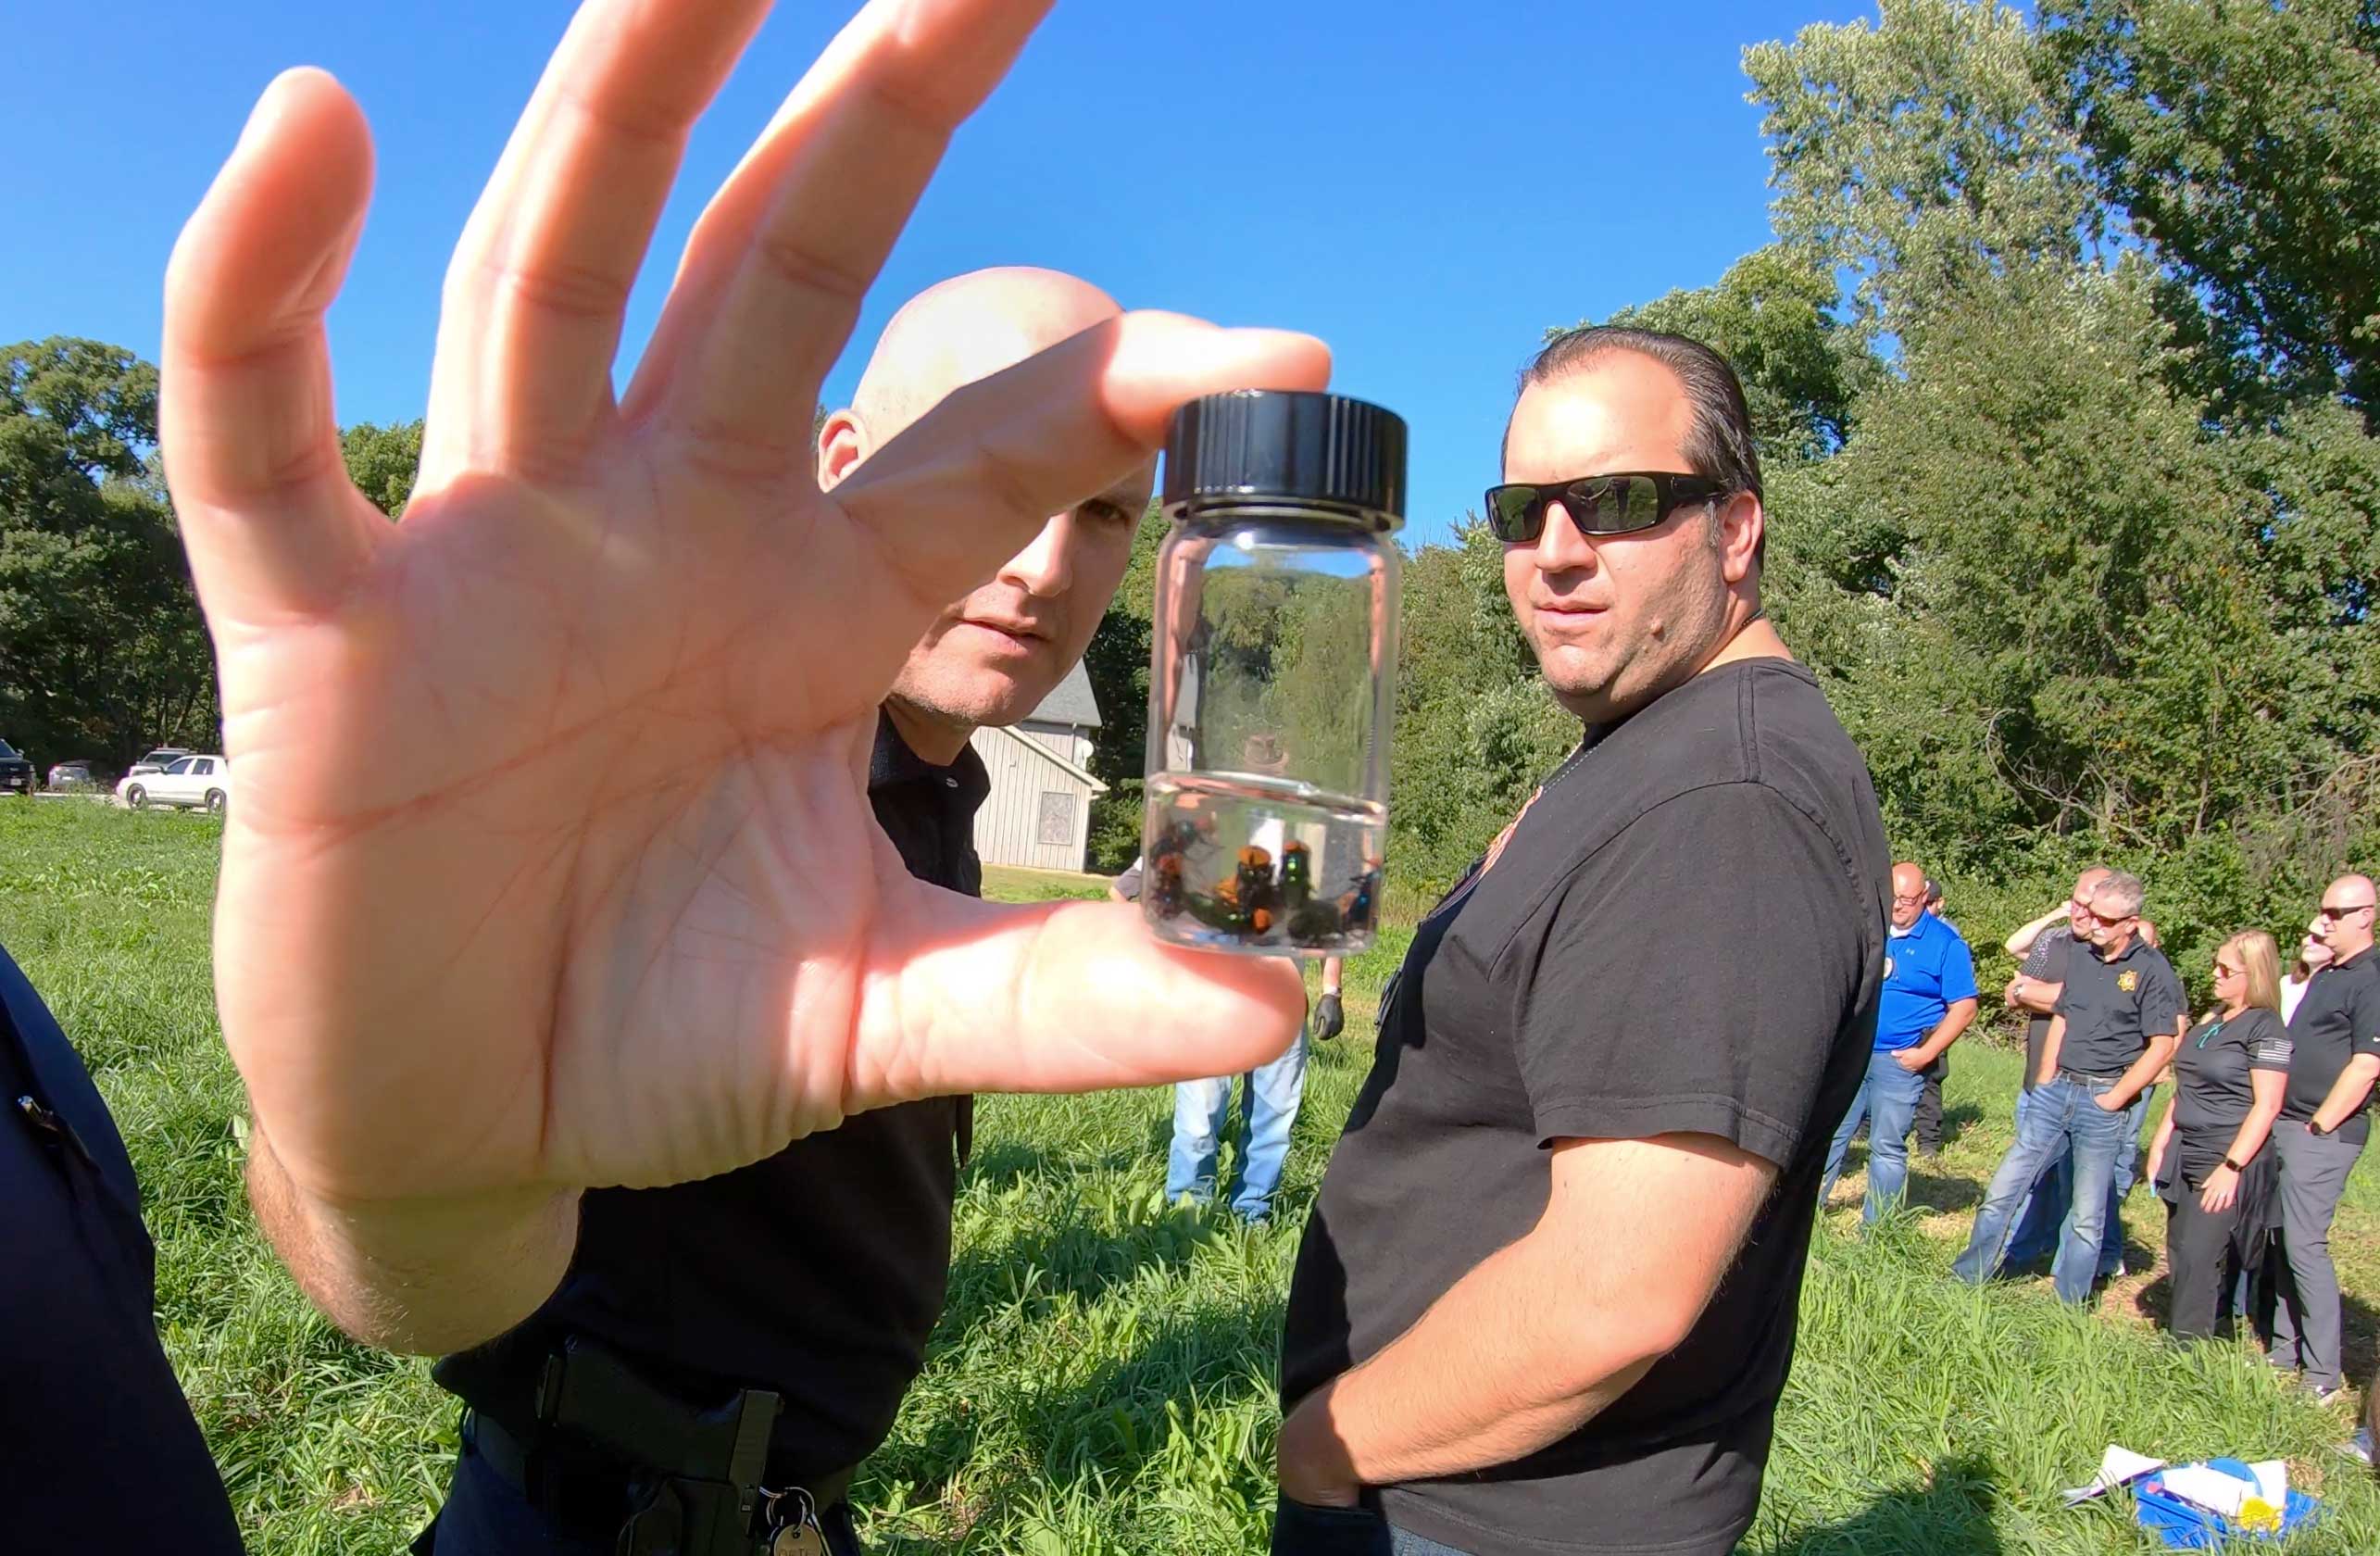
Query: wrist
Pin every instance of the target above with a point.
(2234, 1166)
(1314, 1464)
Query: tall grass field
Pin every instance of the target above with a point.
(1102, 1381)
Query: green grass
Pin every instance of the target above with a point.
(1102, 1380)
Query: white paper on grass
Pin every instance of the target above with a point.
(2215, 1490)
(2118, 1466)
(2272, 1481)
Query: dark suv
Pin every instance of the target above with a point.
(16, 773)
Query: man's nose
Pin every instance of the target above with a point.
(1046, 567)
(1562, 547)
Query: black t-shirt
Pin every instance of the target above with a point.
(97, 1448)
(2047, 963)
(2212, 1092)
(2113, 1009)
(1686, 933)
(818, 1273)
(2338, 1018)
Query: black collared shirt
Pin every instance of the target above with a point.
(97, 1446)
(2113, 1009)
(2338, 1018)
(818, 1272)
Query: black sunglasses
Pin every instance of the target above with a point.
(2339, 913)
(1599, 505)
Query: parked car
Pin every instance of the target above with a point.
(16, 773)
(199, 781)
(76, 775)
(156, 761)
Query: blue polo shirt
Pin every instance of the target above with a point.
(1925, 971)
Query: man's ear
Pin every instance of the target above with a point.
(842, 444)
(1742, 521)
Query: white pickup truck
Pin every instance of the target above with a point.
(201, 782)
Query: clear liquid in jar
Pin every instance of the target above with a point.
(1236, 861)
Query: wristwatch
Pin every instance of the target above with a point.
(2314, 1126)
(2233, 1165)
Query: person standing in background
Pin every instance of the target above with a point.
(1929, 999)
(2335, 1039)
(2209, 1160)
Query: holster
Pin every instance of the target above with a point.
(692, 1474)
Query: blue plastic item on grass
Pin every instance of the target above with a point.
(2188, 1526)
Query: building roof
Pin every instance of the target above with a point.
(1045, 753)
(1071, 703)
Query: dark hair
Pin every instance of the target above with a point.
(1719, 445)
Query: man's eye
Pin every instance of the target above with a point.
(1104, 512)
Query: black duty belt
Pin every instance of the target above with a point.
(2066, 1074)
(612, 1452)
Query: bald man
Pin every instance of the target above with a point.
(2334, 1039)
(788, 1319)
(1928, 1000)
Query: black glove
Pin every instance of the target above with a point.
(1329, 1022)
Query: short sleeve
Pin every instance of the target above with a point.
(1958, 971)
(2163, 1004)
(2269, 1047)
(1129, 882)
(1693, 975)
(2044, 961)
(2363, 1016)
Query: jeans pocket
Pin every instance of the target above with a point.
(1302, 1529)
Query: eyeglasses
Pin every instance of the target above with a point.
(2223, 971)
(2107, 922)
(1622, 502)
(2329, 910)
(1908, 897)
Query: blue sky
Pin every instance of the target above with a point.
(1427, 187)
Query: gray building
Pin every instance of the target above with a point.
(1039, 811)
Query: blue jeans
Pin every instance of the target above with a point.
(2064, 1116)
(1891, 1093)
(2043, 1215)
(1200, 1112)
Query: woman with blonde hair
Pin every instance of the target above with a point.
(2210, 1161)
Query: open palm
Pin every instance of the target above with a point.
(553, 865)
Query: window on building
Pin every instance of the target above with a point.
(1057, 828)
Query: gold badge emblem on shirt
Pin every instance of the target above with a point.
(2127, 981)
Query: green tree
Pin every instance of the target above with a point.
(1919, 154)
(102, 650)
(383, 461)
(2243, 141)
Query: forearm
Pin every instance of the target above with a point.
(2254, 1130)
(1954, 1021)
(2346, 1093)
(416, 1278)
(2144, 1072)
(1497, 1368)
(2021, 943)
(2033, 995)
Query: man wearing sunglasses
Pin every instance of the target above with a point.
(2120, 1014)
(2335, 1036)
(1546, 1301)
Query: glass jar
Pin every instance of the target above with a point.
(1272, 677)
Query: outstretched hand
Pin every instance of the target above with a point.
(552, 864)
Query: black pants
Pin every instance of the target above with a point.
(486, 1516)
(2201, 1248)
(1929, 1107)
